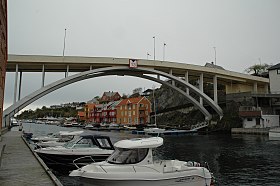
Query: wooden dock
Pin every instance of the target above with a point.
(19, 166)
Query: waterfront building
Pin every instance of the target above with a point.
(3, 54)
(261, 110)
(274, 79)
(134, 111)
(109, 112)
(109, 96)
(89, 107)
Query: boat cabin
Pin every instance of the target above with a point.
(135, 151)
(89, 141)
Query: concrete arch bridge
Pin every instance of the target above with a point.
(91, 67)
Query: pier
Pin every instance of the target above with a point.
(19, 166)
(259, 131)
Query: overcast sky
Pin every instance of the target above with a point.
(244, 32)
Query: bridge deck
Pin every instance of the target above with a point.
(18, 165)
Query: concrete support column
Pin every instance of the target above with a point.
(266, 88)
(19, 89)
(170, 72)
(255, 87)
(158, 77)
(187, 80)
(90, 68)
(215, 84)
(67, 71)
(15, 86)
(43, 76)
(201, 87)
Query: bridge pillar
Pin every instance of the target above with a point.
(170, 72)
(266, 88)
(67, 71)
(19, 89)
(43, 76)
(15, 86)
(255, 87)
(201, 87)
(187, 80)
(215, 83)
(90, 67)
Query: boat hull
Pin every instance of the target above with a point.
(55, 160)
(182, 181)
(274, 133)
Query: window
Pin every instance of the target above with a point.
(278, 71)
(127, 156)
(249, 119)
(133, 113)
(133, 106)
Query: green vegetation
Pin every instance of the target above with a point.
(257, 69)
(48, 112)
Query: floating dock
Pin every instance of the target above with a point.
(259, 131)
(19, 166)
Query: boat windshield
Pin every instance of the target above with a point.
(127, 156)
(70, 144)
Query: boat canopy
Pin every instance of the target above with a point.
(70, 133)
(152, 142)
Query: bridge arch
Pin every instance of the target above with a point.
(137, 72)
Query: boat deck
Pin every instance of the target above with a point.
(19, 166)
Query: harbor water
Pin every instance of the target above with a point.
(235, 160)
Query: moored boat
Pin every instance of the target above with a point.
(64, 136)
(274, 132)
(132, 163)
(87, 148)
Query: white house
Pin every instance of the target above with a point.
(274, 79)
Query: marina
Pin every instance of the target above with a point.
(154, 94)
(232, 158)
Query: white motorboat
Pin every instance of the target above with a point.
(154, 130)
(132, 163)
(91, 147)
(55, 136)
(274, 132)
(64, 136)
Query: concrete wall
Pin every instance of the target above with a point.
(237, 88)
(266, 121)
(249, 124)
(274, 81)
(269, 121)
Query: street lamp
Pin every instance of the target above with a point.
(154, 47)
(64, 43)
(215, 55)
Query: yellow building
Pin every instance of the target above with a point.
(134, 111)
(86, 114)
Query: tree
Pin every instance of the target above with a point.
(258, 69)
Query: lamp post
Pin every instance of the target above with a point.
(155, 113)
(64, 43)
(215, 55)
(154, 47)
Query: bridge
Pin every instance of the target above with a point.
(179, 74)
